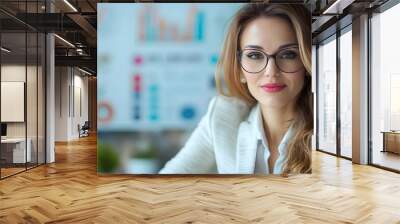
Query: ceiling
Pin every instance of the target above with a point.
(76, 22)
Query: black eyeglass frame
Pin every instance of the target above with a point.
(268, 56)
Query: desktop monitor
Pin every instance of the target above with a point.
(3, 129)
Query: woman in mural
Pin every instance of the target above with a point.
(262, 119)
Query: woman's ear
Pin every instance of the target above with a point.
(242, 78)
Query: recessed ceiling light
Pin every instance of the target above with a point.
(5, 49)
(70, 5)
(84, 71)
(338, 6)
(64, 40)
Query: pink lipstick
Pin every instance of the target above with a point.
(273, 87)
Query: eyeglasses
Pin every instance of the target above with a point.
(254, 61)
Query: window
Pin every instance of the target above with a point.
(327, 96)
(346, 93)
(385, 89)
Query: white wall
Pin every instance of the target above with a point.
(70, 84)
(17, 73)
(61, 103)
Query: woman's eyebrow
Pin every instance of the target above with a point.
(254, 46)
(280, 47)
(287, 45)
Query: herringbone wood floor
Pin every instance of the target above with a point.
(70, 191)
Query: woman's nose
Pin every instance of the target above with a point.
(271, 69)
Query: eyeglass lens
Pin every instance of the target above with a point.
(287, 60)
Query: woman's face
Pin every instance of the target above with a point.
(271, 86)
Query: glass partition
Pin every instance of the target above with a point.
(13, 108)
(327, 96)
(22, 91)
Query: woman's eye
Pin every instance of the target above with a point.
(255, 55)
(288, 55)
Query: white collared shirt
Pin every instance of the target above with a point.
(226, 142)
(263, 152)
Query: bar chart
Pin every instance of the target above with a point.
(155, 27)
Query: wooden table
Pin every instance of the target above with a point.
(391, 141)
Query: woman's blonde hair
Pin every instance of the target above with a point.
(298, 156)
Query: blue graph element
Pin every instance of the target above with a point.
(153, 102)
(149, 29)
(188, 113)
(137, 96)
(153, 88)
(214, 59)
(153, 117)
(199, 32)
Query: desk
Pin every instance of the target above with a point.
(391, 141)
(18, 151)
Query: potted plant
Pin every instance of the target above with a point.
(107, 158)
(143, 160)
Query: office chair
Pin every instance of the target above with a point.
(84, 130)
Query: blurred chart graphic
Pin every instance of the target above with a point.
(156, 63)
(155, 27)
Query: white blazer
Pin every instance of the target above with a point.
(224, 142)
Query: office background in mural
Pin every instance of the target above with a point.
(155, 78)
